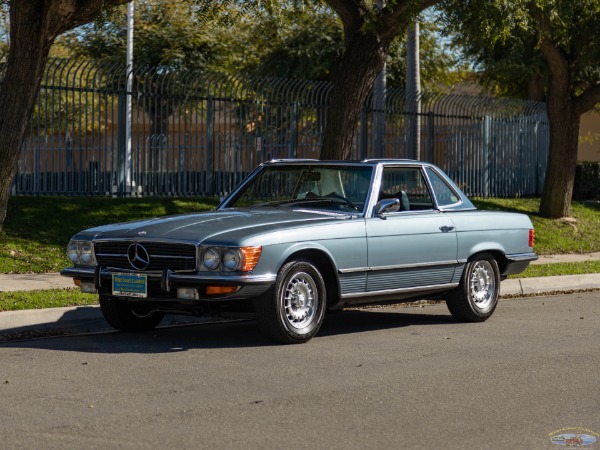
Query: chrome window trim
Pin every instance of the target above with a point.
(411, 213)
(309, 162)
(432, 191)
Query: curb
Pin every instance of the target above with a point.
(86, 319)
(562, 283)
(74, 319)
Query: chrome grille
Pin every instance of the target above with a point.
(163, 255)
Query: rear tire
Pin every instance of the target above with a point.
(125, 316)
(475, 299)
(292, 311)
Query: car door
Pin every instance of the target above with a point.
(413, 248)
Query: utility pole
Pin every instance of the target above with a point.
(413, 93)
(128, 104)
(378, 108)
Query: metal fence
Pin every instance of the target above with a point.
(200, 134)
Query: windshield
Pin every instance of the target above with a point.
(333, 188)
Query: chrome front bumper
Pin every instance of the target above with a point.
(169, 281)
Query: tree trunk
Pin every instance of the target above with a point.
(34, 24)
(352, 81)
(562, 161)
(27, 58)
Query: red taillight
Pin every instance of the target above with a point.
(531, 240)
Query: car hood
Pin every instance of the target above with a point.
(223, 226)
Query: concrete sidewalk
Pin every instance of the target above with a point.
(34, 282)
(89, 318)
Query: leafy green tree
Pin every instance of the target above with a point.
(305, 40)
(167, 35)
(299, 42)
(524, 44)
(168, 38)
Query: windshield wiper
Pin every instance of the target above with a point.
(338, 200)
(277, 203)
(342, 201)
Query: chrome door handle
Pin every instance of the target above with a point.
(446, 229)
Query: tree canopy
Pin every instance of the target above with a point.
(294, 40)
(551, 43)
(166, 35)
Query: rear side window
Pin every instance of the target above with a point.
(443, 193)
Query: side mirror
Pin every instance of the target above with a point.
(388, 205)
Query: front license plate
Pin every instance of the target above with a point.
(130, 284)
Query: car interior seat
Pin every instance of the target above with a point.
(404, 203)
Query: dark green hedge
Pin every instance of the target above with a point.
(587, 181)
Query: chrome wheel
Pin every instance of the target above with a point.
(476, 297)
(301, 300)
(292, 311)
(482, 284)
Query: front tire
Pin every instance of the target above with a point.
(475, 299)
(125, 316)
(292, 311)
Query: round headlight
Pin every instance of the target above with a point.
(73, 252)
(87, 256)
(211, 259)
(233, 259)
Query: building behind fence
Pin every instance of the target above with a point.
(199, 134)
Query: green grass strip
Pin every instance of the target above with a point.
(55, 298)
(555, 269)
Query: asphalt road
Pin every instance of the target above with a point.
(407, 378)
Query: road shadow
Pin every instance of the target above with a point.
(220, 335)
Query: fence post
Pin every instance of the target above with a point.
(536, 140)
(430, 130)
(487, 125)
(210, 144)
(293, 147)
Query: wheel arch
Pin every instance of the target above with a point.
(497, 254)
(326, 267)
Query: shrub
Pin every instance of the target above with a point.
(587, 181)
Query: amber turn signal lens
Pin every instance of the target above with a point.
(220, 290)
(251, 257)
(77, 282)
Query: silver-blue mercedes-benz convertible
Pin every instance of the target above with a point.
(297, 238)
